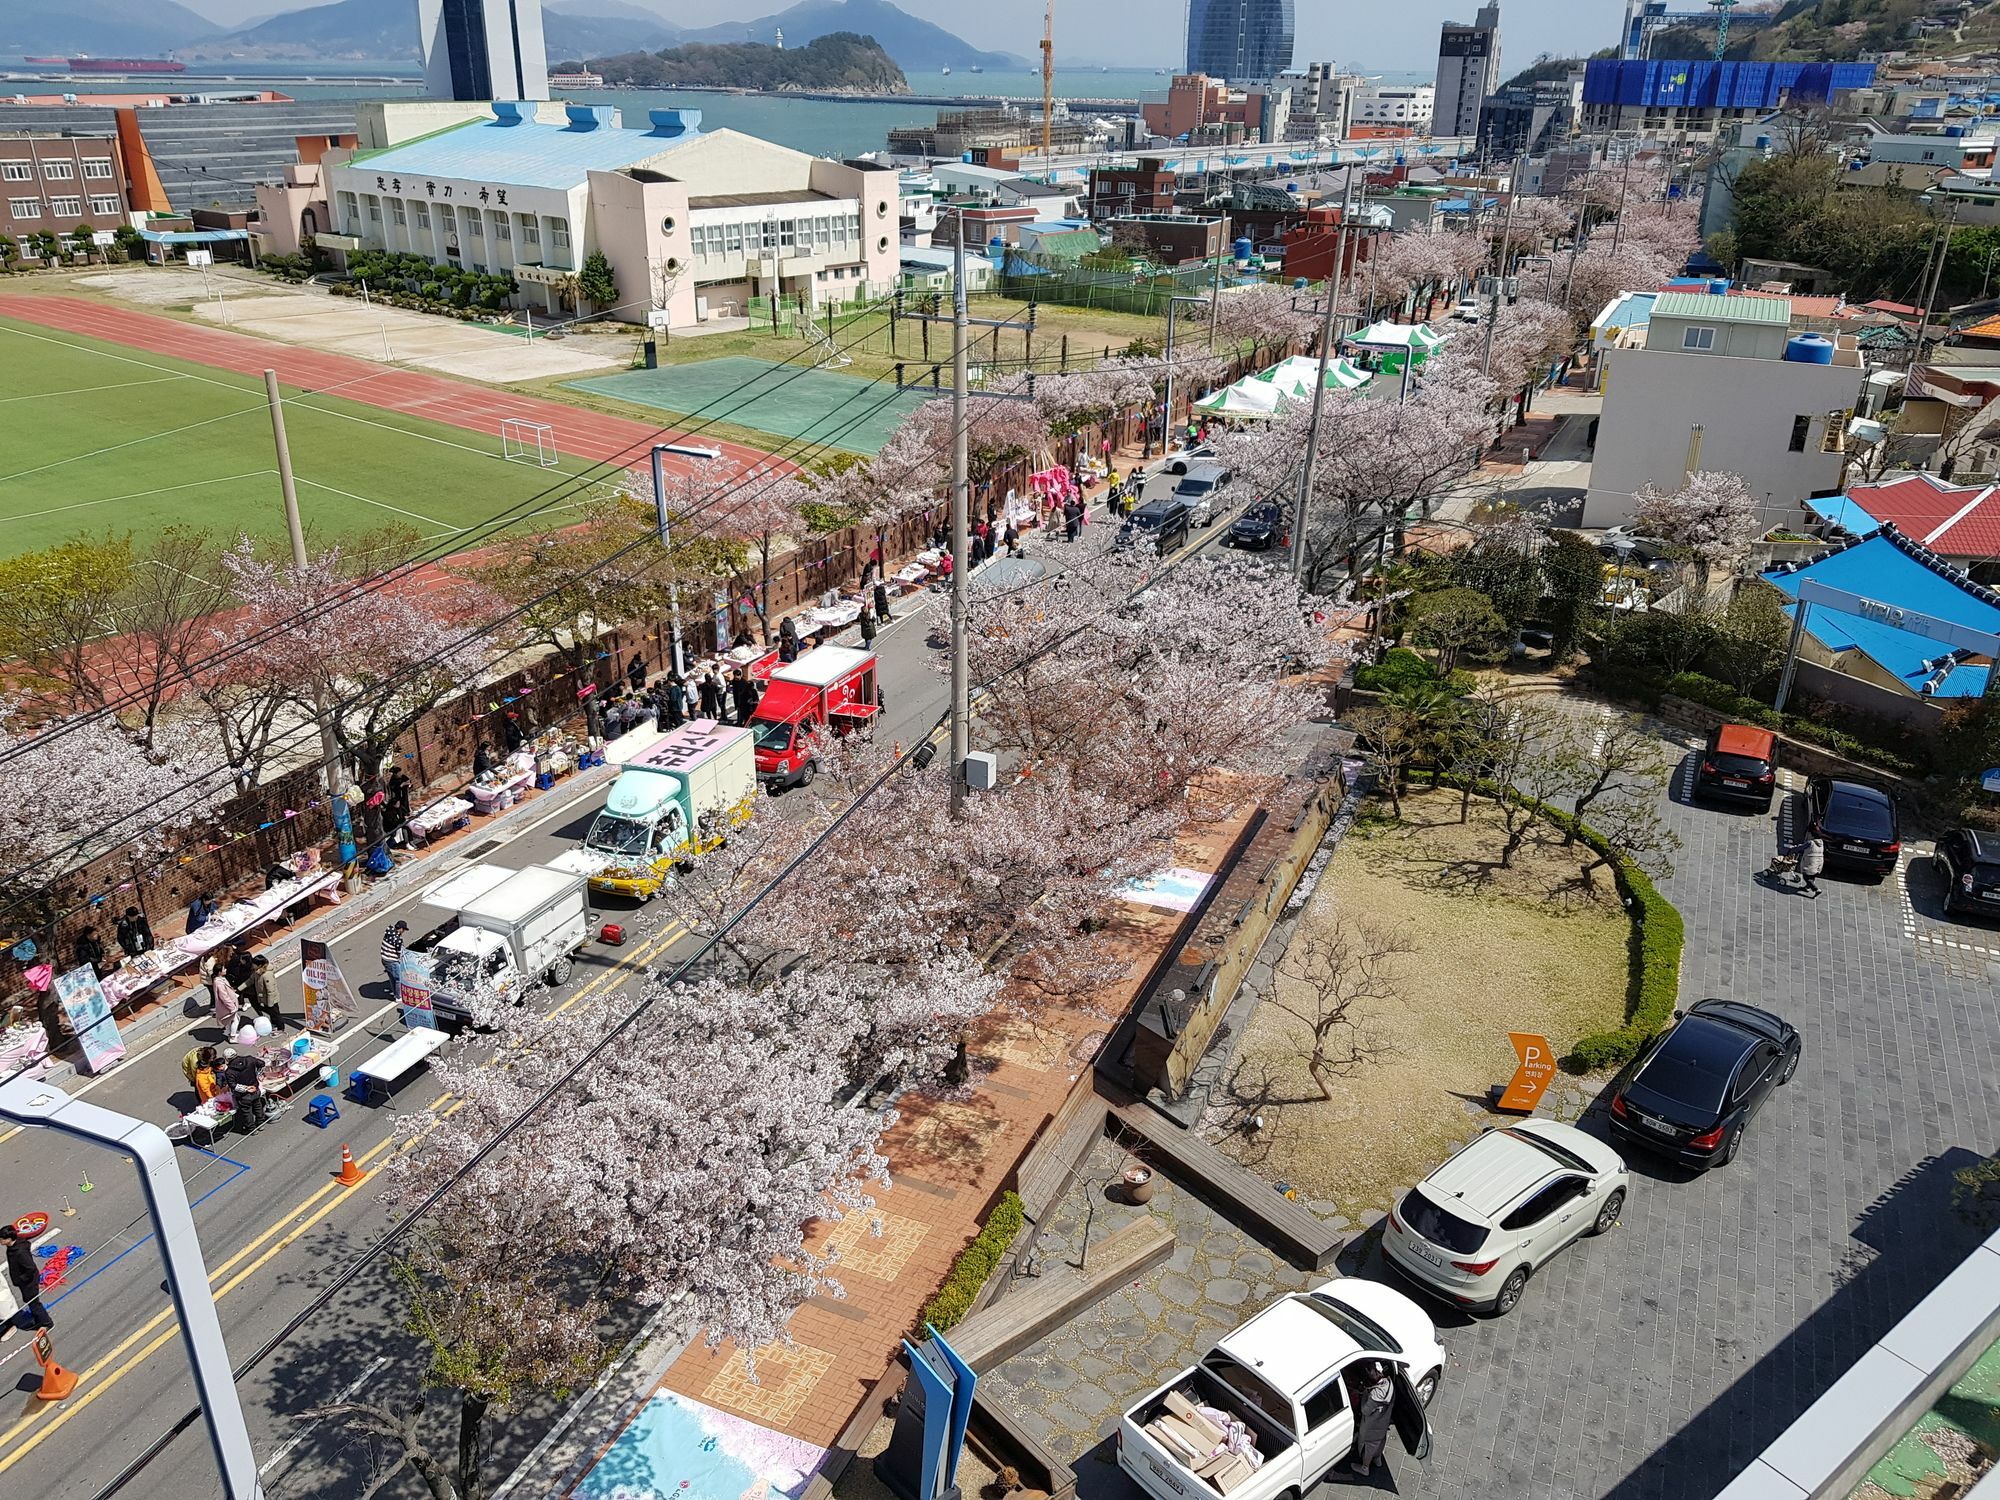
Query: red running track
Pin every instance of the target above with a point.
(476, 408)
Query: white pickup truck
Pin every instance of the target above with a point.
(1270, 1409)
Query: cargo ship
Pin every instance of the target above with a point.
(113, 64)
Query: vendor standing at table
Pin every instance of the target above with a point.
(397, 805)
(135, 933)
(482, 761)
(200, 910)
(635, 672)
(90, 951)
(240, 1075)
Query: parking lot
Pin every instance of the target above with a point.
(1655, 1362)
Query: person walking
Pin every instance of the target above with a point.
(743, 694)
(1811, 854)
(710, 692)
(677, 699)
(1371, 1419)
(867, 628)
(882, 602)
(26, 1278)
(392, 954)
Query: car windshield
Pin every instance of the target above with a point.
(1858, 817)
(1364, 1331)
(774, 737)
(611, 834)
(1737, 765)
(1439, 1225)
(1194, 487)
(1693, 1065)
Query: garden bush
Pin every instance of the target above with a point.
(1400, 667)
(975, 1263)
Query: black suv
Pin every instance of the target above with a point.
(1258, 529)
(1857, 823)
(1969, 861)
(1164, 523)
(1696, 1088)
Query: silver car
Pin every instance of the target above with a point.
(1200, 489)
(1478, 1227)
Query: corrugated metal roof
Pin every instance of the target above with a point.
(1712, 309)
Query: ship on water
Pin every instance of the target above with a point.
(945, 71)
(112, 64)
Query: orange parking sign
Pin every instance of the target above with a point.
(1537, 1067)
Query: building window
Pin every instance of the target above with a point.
(787, 233)
(59, 171)
(396, 212)
(98, 167)
(531, 231)
(1698, 338)
(25, 208)
(375, 210)
(472, 225)
(104, 205)
(423, 211)
(347, 209)
(559, 233)
(1801, 426)
(501, 231)
(17, 171)
(735, 246)
(66, 208)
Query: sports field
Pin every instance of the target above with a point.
(785, 401)
(99, 436)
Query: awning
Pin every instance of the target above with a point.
(1387, 335)
(1249, 397)
(783, 702)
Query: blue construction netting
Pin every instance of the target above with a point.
(1687, 83)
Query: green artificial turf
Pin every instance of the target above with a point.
(95, 437)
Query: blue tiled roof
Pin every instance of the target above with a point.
(514, 148)
(1892, 570)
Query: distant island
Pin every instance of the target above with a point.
(839, 62)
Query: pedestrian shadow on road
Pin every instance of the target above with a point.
(1908, 1240)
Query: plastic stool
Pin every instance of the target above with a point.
(322, 1111)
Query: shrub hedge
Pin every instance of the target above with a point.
(975, 1263)
(1401, 667)
(1658, 934)
(1726, 700)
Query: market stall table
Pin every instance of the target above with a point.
(500, 789)
(240, 917)
(437, 818)
(23, 1046)
(282, 1072)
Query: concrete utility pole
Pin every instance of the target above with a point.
(1499, 286)
(666, 540)
(1937, 277)
(1327, 326)
(961, 499)
(329, 745)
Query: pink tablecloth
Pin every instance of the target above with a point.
(23, 1047)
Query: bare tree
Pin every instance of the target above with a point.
(1323, 977)
(1607, 756)
(1628, 820)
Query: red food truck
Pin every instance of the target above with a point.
(829, 688)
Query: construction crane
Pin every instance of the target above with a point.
(1049, 86)
(1722, 8)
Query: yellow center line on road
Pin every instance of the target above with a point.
(288, 1228)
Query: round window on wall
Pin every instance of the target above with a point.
(883, 243)
(882, 210)
(667, 224)
(673, 263)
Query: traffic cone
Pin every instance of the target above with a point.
(349, 1173)
(57, 1382)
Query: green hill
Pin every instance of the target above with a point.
(1841, 31)
(839, 60)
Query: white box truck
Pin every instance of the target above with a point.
(673, 800)
(507, 928)
(1270, 1409)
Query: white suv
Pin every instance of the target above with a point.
(1478, 1227)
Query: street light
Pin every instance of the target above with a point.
(1167, 411)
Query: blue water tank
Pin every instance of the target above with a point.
(996, 243)
(1242, 249)
(1809, 349)
(1300, 283)
(1718, 286)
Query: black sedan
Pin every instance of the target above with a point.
(1258, 529)
(1697, 1086)
(1969, 861)
(1858, 825)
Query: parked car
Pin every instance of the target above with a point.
(1467, 310)
(1269, 1411)
(1969, 861)
(1696, 1087)
(1166, 524)
(1478, 1227)
(1739, 765)
(1201, 488)
(1178, 460)
(1258, 529)
(1858, 824)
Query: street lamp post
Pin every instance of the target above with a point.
(683, 450)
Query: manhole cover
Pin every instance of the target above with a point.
(483, 850)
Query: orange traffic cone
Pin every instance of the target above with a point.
(57, 1382)
(349, 1173)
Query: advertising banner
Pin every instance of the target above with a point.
(330, 1003)
(413, 990)
(89, 1011)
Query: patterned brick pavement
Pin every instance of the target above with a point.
(1653, 1363)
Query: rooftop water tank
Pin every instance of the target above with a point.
(1809, 349)
(1242, 249)
(1718, 286)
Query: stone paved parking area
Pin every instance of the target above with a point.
(1655, 1362)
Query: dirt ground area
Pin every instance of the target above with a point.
(1491, 951)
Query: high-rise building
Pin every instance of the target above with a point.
(1468, 71)
(483, 49)
(1239, 40)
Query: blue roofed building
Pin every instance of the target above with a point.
(693, 222)
(1895, 580)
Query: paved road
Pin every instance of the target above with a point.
(275, 1228)
(1654, 1363)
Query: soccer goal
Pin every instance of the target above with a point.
(525, 441)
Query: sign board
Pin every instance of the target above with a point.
(1990, 782)
(329, 1000)
(1537, 1067)
(201, 258)
(921, 1461)
(659, 317)
(413, 990)
(102, 238)
(83, 1000)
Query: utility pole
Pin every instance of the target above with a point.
(1326, 336)
(1214, 297)
(329, 746)
(666, 540)
(1937, 277)
(1624, 181)
(1499, 286)
(961, 661)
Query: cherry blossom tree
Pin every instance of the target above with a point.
(1070, 402)
(764, 510)
(1712, 517)
(1263, 315)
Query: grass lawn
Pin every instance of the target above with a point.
(101, 437)
(1494, 951)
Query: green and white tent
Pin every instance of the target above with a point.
(1416, 338)
(1294, 377)
(1252, 397)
